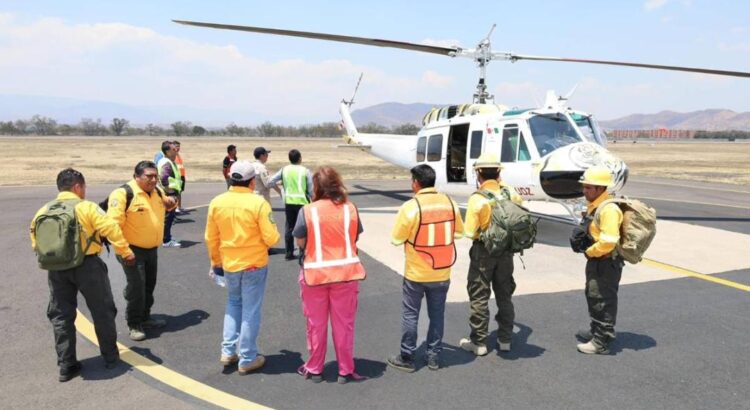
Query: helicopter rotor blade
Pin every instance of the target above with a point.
(447, 51)
(516, 57)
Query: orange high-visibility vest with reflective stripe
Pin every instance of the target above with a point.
(331, 249)
(437, 226)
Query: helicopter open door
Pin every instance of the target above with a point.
(456, 153)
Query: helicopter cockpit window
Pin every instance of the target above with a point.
(551, 132)
(590, 129)
(509, 148)
(475, 150)
(435, 147)
(421, 148)
(523, 150)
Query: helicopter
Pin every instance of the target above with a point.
(544, 151)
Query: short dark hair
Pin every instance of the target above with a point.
(295, 156)
(175, 142)
(69, 177)
(489, 173)
(230, 148)
(166, 146)
(141, 166)
(424, 175)
(241, 183)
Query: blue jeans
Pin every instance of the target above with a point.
(435, 293)
(242, 317)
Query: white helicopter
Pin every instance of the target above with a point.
(544, 151)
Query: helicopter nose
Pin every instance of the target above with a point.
(562, 170)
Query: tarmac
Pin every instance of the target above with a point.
(682, 326)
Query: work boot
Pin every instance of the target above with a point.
(584, 335)
(402, 364)
(433, 363)
(351, 378)
(289, 256)
(137, 334)
(469, 346)
(313, 377)
(111, 363)
(592, 348)
(154, 323)
(67, 373)
(229, 360)
(503, 346)
(256, 364)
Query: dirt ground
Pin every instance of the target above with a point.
(36, 160)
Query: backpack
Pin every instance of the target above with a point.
(128, 200)
(58, 237)
(511, 228)
(637, 230)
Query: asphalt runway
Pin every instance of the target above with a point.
(682, 342)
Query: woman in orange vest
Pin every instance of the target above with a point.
(328, 229)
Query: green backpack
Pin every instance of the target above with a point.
(638, 227)
(511, 228)
(58, 237)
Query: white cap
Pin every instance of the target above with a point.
(242, 171)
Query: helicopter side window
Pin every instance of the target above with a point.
(421, 148)
(551, 132)
(509, 147)
(435, 147)
(475, 150)
(523, 150)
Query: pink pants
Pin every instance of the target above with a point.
(339, 301)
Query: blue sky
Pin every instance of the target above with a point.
(131, 53)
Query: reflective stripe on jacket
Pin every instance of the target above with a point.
(437, 226)
(294, 178)
(331, 249)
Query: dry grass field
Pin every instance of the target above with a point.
(36, 160)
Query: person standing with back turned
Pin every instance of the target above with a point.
(488, 274)
(239, 230)
(74, 265)
(297, 181)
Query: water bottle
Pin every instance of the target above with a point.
(218, 274)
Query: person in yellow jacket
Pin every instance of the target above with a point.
(427, 227)
(90, 278)
(239, 230)
(603, 265)
(142, 224)
(488, 274)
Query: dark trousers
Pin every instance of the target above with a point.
(602, 283)
(486, 275)
(292, 211)
(139, 291)
(92, 281)
(435, 293)
(168, 221)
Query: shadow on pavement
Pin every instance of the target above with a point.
(146, 352)
(284, 362)
(178, 323)
(520, 348)
(187, 244)
(93, 369)
(631, 341)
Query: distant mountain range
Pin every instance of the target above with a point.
(71, 111)
(390, 114)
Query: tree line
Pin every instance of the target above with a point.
(45, 126)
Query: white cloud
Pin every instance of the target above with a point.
(139, 66)
(651, 5)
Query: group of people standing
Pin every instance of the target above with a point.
(325, 225)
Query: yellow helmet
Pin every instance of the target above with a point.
(488, 161)
(597, 175)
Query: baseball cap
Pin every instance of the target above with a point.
(260, 151)
(241, 171)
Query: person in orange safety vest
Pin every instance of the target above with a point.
(327, 229)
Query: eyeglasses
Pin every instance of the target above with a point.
(149, 176)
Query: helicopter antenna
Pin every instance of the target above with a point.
(351, 101)
(483, 56)
(570, 93)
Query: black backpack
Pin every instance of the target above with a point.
(128, 200)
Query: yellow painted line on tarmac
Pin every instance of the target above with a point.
(167, 376)
(703, 276)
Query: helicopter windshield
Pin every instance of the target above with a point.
(552, 131)
(590, 129)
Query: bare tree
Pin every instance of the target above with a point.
(43, 125)
(181, 128)
(90, 127)
(119, 125)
